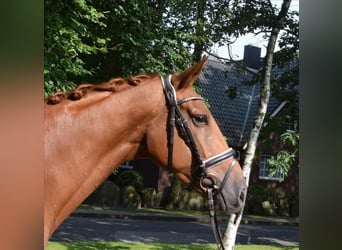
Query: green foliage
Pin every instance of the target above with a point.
(190, 200)
(281, 162)
(171, 194)
(70, 32)
(87, 40)
(249, 16)
(198, 24)
(130, 197)
(93, 41)
(290, 138)
(148, 197)
(257, 195)
(270, 201)
(130, 178)
(107, 194)
(284, 159)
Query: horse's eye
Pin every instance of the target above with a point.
(200, 119)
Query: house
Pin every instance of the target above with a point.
(235, 117)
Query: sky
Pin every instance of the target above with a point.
(237, 48)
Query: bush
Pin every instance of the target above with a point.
(266, 201)
(107, 194)
(130, 197)
(130, 178)
(255, 197)
(190, 200)
(148, 197)
(157, 199)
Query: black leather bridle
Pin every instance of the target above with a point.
(208, 182)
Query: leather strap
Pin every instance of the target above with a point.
(213, 219)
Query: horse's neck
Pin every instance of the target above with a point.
(83, 146)
(98, 123)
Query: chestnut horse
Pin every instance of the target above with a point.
(91, 130)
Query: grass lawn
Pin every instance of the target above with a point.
(151, 246)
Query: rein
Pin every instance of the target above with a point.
(176, 119)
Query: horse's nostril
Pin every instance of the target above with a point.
(242, 194)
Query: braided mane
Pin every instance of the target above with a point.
(113, 85)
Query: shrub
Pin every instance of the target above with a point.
(271, 201)
(130, 178)
(190, 200)
(148, 197)
(107, 194)
(130, 197)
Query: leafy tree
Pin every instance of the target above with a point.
(93, 41)
(198, 24)
(134, 45)
(69, 34)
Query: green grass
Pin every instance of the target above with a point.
(151, 246)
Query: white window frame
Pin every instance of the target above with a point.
(264, 173)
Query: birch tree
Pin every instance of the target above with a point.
(265, 79)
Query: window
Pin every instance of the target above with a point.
(126, 165)
(291, 124)
(264, 172)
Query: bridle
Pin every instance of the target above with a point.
(175, 118)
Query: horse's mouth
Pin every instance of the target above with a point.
(229, 206)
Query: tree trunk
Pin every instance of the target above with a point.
(199, 43)
(234, 220)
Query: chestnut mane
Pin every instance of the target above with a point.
(113, 85)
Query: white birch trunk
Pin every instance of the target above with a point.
(234, 220)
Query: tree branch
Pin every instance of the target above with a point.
(261, 31)
(271, 6)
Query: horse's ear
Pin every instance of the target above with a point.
(188, 77)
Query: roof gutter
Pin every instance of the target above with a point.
(276, 111)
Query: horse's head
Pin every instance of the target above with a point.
(198, 151)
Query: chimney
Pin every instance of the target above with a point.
(251, 57)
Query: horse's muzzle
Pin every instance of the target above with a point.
(232, 200)
(229, 196)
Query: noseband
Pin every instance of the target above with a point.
(175, 118)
